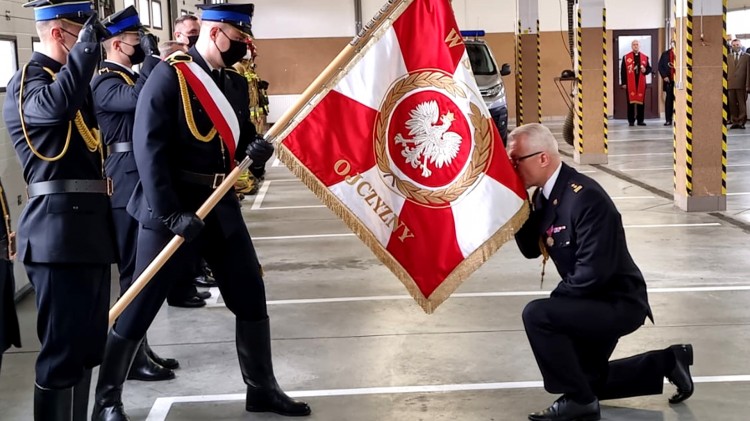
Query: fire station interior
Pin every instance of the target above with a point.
(346, 336)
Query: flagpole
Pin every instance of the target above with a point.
(282, 123)
(335, 66)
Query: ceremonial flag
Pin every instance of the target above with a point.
(401, 146)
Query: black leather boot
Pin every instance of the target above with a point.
(169, 363)
(118, 355)
(145, 369)
(680, 373)
(53, 404)
(81, 397)
(263, 392)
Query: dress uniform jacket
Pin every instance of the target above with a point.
(65, 227)
(166, 150)
(114, 101)
(582, 231)
(162, 191)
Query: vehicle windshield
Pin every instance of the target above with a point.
(481, 61)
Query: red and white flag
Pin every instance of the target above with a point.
(402, 147)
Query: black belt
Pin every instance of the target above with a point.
(69, 186)
(209, 180)
(120, 147)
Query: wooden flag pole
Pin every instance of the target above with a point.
(330, 71)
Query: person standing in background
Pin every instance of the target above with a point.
(115, 91)
(667, 72)
(738, 84)
(635, 67)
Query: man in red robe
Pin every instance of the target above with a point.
(635, 67)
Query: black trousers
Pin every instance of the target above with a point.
(231, 257)
(72, 303)
(669, 102)
(635, 112)
(572, 340)
(126, 230)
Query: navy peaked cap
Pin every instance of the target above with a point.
(74, 10)
(238, 15)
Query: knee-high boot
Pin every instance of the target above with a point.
(263, 392)
(81, 397)
(53, 404)
(169, 363)
(145, 369)
(118, 355)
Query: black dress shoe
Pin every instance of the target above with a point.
(204, 295)
(565, 409)
(188, 302)
(204, 281)
(641, 123)
(631, 124)
(668, 123)
(680, 374)
(145, 369)
(734, 126)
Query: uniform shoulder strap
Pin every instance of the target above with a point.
(178, 57)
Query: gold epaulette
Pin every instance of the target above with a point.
(178, 57)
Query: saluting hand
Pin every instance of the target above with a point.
(149, 43)
(93, 30)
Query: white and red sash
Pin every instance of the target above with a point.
(214, 102)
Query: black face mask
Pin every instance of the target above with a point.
(192, 39)
(235, 52)
(138, 54)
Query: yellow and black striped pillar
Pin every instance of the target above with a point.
(700, 142)
(591, 102)
(528, 64)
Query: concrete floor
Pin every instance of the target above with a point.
(372, 354)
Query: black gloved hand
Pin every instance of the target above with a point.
(185, 224)
(263, 84)
(149, 44)
(93, 30)
(259, 151)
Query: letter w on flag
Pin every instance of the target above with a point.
(401, 146)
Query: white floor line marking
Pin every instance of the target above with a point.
(304, 237)
(276, 163)
(286, 180)
(631, 197)
(640, 154)
(290, 207)
(261, 194)
(738, 193)
(160, 409)
(707, 224)
(666, 168)
(543, 293)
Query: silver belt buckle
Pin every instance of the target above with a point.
(110, 187)
(218, 179)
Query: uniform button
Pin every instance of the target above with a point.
(87, 50)
(75, 207)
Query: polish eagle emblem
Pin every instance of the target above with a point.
(432, 142)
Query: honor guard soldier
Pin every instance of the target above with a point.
(186, 103)
(602, 294)
(9, 333)
(65, 233)
(115, 91)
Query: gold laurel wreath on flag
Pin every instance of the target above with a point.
(482, 139)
